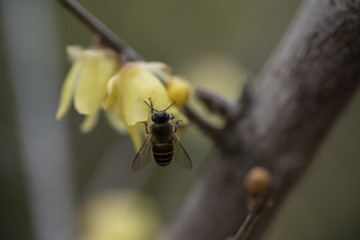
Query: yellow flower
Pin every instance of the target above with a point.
(86, 82)
(120, 215)
(159, 69)
(95, 82)
(128, 89)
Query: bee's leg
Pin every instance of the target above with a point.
(146, 128)
(151, 104)
(172, 116)
(176, 125)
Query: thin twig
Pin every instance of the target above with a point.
(232, 112)
(246, 227)
(203, 125)
(214, 102)
(98, 27)
(251, 219)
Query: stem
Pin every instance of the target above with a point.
(251, 219)
(246, 227)
(201, 123)
(214, 102)
(98, 27)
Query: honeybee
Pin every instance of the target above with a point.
(161, 143)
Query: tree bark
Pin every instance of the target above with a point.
(301, 92)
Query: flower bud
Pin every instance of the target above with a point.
(178, 90)
(257, 181)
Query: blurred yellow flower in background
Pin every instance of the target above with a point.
(120, 215)
(215, 73)
(86, 82)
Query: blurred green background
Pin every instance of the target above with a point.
(49, 170)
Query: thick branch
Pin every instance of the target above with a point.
(303, 89)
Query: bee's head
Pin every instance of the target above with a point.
(160, 116)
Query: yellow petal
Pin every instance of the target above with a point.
(115, 121)
(157, 67)
(111, 95)
(160, 69)
(137, 135)
(68, 89)
(74, 52)
(139, 84)
(91, 89)
(89, 122)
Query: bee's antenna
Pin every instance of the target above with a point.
(169, 106)
(153, 109)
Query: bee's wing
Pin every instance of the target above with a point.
(180, 155)
(144, 156)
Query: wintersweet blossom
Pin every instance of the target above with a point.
(86, 82)
(127, 90)
(96, 82)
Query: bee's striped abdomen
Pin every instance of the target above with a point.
(163, 151)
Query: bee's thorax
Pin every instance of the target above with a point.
(161, 130)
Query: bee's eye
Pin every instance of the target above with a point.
(153, 118)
